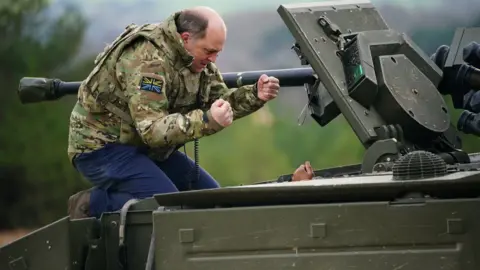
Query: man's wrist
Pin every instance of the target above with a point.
(210, 122)
(205, 118)
(255, 94)
(255, 89)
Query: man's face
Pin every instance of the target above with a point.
(204, 50)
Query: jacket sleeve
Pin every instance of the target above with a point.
(244, 100)
(142, 73)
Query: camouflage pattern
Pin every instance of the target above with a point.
(141, 92)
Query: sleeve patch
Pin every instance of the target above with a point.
(152, 85)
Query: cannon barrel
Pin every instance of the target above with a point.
(33, 90)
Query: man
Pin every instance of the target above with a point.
(152, 90)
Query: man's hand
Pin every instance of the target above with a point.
(304, 172)
(222, 112)
(267, 87)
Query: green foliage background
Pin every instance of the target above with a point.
(35, 176)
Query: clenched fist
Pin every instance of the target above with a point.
(222, 112)
(267, 87)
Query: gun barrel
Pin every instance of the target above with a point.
(33, 90)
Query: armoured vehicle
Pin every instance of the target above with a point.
(412, 204)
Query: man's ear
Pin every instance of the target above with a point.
(185, 37)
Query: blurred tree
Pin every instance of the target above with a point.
(34, 171)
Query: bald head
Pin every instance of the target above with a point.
(203, 32)
(200, 20)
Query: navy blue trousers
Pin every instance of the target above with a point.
(122, 172)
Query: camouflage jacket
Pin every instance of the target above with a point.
(141, 92)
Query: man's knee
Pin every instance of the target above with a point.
(206, 180)
(194, 181)
(182, 170)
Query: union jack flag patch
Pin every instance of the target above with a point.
(151, 84)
